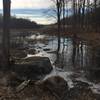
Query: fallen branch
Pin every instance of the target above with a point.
(22, 85)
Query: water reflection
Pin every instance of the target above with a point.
(74, 55)
(77, 55)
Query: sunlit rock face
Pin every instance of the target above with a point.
(33, 67)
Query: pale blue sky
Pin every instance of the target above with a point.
(32, 4)
(29, 4)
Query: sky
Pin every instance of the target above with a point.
(31, 4)
(36, 4)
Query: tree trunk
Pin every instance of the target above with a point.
(59, 22)
(6, 32)
(83, 14)
(95, 15)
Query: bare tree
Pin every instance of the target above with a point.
(83, 12)
(64, 14)
(6, 31)
(58, 11)
(58, 7)
(95, 7)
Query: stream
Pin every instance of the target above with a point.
(77, 60)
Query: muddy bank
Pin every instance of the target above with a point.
(92, 38)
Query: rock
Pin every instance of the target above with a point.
(46, 49)
(79, 94)
(54, 87)
(22, 85)
(81, 91)
(31, 51)
(33, 67)
(18, 54)
(80, 85)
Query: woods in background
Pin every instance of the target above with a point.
(78, 14)
(85, 14)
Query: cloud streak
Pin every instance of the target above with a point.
(36, 4)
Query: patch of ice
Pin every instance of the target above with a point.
(40, 37)
(96, 88)
(32, 37)
(29, 55)
(37, 37)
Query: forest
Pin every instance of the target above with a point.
(85, 15)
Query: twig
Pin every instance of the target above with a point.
(22, 85)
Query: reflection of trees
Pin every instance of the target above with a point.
(74, 51)
(81, 48)
(77, 53)
(60, 11)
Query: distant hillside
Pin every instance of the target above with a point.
(37, 15)
(20, 23)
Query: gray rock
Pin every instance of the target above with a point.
(54, 87)
(33, 67)
(31, 51)
(18, 54)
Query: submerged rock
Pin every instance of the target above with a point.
(33, 67)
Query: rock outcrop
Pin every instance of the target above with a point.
(33, 67)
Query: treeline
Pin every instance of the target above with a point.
(85, 15)
(78, 15)
(20, 23)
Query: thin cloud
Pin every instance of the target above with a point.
(15, 4)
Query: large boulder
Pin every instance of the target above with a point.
(33, 67)
(53, 88)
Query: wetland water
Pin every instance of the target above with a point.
(76, 59)
(73, 55)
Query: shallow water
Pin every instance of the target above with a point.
(76, 59)
(73, 54)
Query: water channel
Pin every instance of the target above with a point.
(76, 59)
